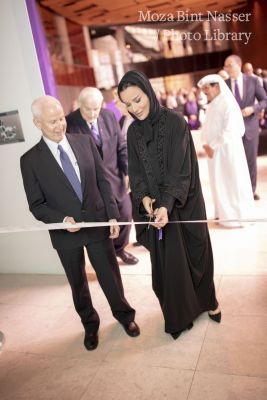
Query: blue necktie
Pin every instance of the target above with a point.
(237, 93)
(70, 172)
(95, 134)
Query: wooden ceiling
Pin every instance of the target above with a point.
(117, 12)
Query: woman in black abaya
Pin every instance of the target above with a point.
(165, 184)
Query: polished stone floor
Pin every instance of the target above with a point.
(43, 355)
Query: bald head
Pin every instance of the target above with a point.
(48, 116)
(232, 66)
(90, 101)
(248, 69)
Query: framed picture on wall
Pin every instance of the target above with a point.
(10, 127)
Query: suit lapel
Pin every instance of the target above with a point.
(102, 130)
(229, 83)
(244, 89)
(82, 124)
(49, 160)
(73, 143)
(51, 165)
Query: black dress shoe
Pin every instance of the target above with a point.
(132, 329)
(256, 196)
(127, 258)
(216, 317)
(175, 335)
(91, 341)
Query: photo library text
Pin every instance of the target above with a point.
(205, 36)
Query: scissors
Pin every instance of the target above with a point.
(151, 218)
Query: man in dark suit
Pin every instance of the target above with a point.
(103, 127)
(247, 89)
(64, 180)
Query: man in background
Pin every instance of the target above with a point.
(247, 90)
(100, 124)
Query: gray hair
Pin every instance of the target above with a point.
(42, 101)
(90, 92)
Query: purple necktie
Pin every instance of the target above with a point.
(237, 93)
(70, 172)
(95, 134)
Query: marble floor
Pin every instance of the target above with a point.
(43, 356)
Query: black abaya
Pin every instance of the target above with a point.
(163, 165)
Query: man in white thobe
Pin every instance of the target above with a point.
(222, 133)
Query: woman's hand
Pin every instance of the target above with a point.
(127, 183)
(148, 205)
(114, 229)
(161, 217)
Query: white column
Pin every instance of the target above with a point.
(20, 82)
(122, 45)
(88, 45)
(65, 41)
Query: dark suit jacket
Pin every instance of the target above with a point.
(51, 197)
(114, 147)
(252, 90)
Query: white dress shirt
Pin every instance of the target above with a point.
(239, 84)
(53, 147)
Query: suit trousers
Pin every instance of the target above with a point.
(125, 210)
(251, 150)
(103, 259)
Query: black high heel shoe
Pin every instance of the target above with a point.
(175, 335)
(216, 317)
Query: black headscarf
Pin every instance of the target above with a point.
(136, 78)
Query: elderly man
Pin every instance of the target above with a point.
(64, 180)
(246, 90)
(103, 127)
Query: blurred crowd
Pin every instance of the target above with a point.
(192, 103)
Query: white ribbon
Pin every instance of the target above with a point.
(47, 227)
